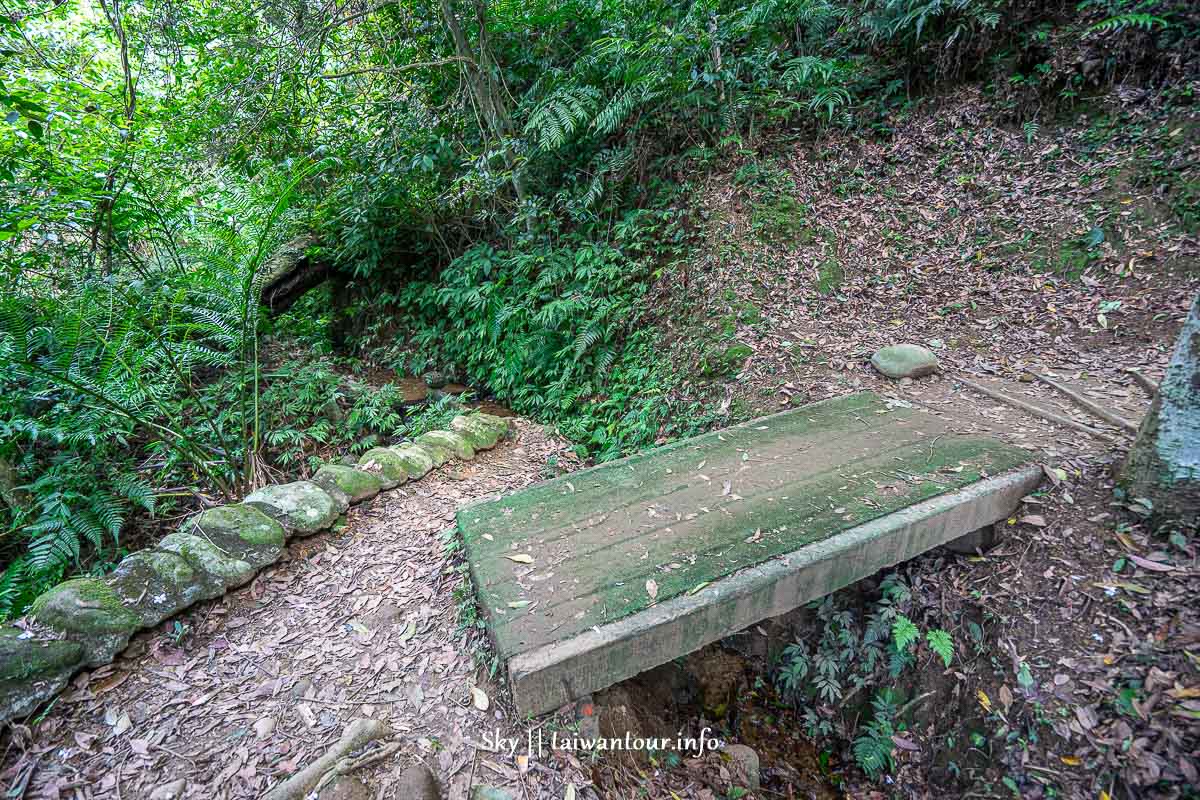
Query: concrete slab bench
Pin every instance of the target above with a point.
(593, 577)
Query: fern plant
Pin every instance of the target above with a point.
(850, 652)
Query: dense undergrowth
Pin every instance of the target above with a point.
(503, 191)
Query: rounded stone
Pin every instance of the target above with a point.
(416, 460)
(33, 670)
(448, 440)
(385, 465)
(22, 657)
(358, 485)
(905, 361)
(478, 432)
(743, 762)
(245, 522)
(437, 454)
(89, 612)
(206, 557)
(301, 507)
(155, 585)
(241, 531)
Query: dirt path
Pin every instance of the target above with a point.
(240, 692)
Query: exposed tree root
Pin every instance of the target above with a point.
(337, 760)
(1148, 386)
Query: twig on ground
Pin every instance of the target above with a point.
(1032, 409)
(1087, 404)
(1148, 386)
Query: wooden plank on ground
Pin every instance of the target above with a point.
(595, 576)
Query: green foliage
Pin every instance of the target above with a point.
(851, 651)
(873, 748)
(941, 643)
(1122, 22)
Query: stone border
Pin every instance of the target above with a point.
(86, 622)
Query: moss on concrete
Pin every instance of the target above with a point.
(690, 513)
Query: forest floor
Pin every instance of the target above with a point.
(237, 694)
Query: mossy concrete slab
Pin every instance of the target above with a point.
(614, 545)
(301, 507)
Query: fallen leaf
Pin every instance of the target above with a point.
(1153, 566)
(984, 700)
(520, 558)
(480, 699)
(1036, 520)
(652, 589)
(1070, 761)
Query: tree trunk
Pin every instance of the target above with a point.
(1164, 463)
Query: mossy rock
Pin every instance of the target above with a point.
(22, 656)
(242, 531)
(356, 484)
(385, 465)
(905, 361)
(89, 612)
(156, 585)
(301, 507)
(223, 571)
(33, 670)
(480, 433)
(436, 452)
(416, 460)
(455, 443)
